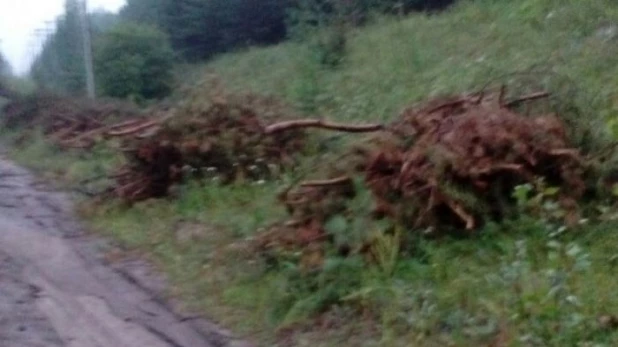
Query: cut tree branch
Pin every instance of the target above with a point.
(326, 183)
(133, 129)
(317, 123)
(529, 97)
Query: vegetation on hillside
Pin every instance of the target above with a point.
(196, 29)
(525, 192)
(200, 29)
(59, 66)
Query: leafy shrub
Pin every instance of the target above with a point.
(134, 60)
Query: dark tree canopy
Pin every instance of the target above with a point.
(134, 60)
(60, 65)
(101, 21)
(199, 29)
(150, 12)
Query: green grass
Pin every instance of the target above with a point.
(516, 284)
(515, 281)
(52, 162)
(391, 63)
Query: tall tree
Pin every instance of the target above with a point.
(134, 60)
(151, 12)
(102, 21)
(60, 65)
(200, 28)
(194, 28)
(249, 22)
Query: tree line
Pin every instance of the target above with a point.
(200, 28)
(133, 48)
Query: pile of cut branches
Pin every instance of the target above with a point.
(449, 165)
(220, 136)
(67, 122)
(223, 136)
(467, 154)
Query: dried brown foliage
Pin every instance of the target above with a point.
(451, 164)
(467, 155)
(219, 135)
(70, 123)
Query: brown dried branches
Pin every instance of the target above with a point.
(451, 164)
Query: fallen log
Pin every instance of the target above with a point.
(321, 124)
(326, 183)
(525, 98)
(133, 128)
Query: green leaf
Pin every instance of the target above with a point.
(551, 191)
(521, 193)
(336, 225)
(574, 250)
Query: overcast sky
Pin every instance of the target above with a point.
(20, 18)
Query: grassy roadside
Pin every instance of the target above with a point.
(520, 283)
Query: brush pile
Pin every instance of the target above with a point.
(219, 136)
(466, 157)
(449, 165)
(69, 123)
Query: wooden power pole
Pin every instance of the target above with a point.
(87, 43)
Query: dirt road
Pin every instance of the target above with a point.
(56, 290)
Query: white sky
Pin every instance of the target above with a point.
(19, 19)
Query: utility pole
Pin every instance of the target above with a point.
(83, 15)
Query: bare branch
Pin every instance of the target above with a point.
(325, 183)
(317, 123)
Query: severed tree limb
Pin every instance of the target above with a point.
(529, 97)
(325, 183)
(133, 129)
(565, 151)
(568, 153)
(501, 96)
(461, 213)
(83, 140)
(457, 102)
(127, 188)
(127, 123)
(498, 167)
(317, 123)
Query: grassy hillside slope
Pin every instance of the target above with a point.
(392, 63)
